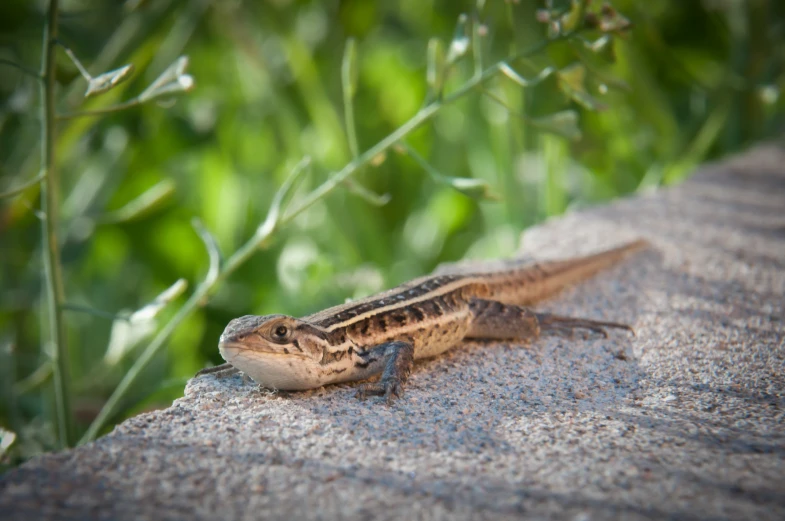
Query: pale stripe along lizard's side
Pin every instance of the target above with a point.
(385, 333)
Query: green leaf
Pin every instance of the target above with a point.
(349, 72)
(523, 82)
(213, 252)
(108, 80)
(612, 81)
(572, 19)
(153, 199)
(35, 379)
(436, 65)
(129, 332)
(366, 194)
(612, 21)
(475, 188)
(564, 124)
(274, 213)
(172, 81)
(586, 100)
(21, 188)
(167, 296)
(601, 44)
(7, 438)
(573, 76)
(572, 81)
(460, 41)
(595, 56)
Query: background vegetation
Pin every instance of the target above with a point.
(689, 81)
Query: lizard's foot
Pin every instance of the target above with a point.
(390, 388)
(567, 326)
(398, 360)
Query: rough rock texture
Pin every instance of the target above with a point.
(686, 420)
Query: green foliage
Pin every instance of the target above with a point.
(653, 89)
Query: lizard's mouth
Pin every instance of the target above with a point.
(272, 369)
(261, 349)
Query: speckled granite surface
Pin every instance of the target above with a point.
(684, 421)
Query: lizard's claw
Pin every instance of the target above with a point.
(398, 360)
(566, 326)
(390, 388)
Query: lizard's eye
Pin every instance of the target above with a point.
(281, 331)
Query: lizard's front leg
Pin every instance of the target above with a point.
(492, 319)
(398, 359)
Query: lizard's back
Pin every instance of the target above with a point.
(432, 311)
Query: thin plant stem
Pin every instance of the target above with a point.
(424, 164)
(493, 97)
(100, 112)
(109, 408)
(423, 115)
(347, 70)
(477, 44)
(276, 220)
(197, 298)
(36, 379)
(29, 72)
(86, 75)
(95, 312)
(56, 341)
(21, 188)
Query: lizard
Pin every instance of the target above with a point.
(385, 333)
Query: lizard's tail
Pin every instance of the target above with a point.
(539, 280)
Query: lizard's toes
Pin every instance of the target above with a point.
(392, 391)
(366, 390)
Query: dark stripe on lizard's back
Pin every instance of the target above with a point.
(396, 297)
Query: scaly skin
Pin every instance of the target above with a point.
(385, 333)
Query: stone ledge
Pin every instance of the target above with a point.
(685, 420)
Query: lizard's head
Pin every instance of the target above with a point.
(277, 351)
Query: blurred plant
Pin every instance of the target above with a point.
(55, 348)
(281, 214)
(262, 105)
